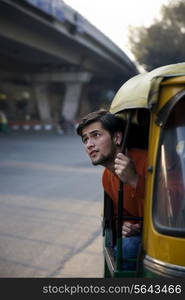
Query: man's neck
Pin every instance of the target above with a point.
(110, 164)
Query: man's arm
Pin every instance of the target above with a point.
(126, 171)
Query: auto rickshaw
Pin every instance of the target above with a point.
(154, 103)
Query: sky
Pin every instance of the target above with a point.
(113, 17)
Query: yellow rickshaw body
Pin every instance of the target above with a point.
(155, 90)
(167, 249)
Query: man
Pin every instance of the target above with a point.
(102, 134)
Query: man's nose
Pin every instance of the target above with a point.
(90, 143)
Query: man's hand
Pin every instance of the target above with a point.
(125, 169)
(129, 229)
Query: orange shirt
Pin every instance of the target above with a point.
(133, 197)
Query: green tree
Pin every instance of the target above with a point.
(163, 42)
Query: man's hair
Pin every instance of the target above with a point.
(109, 122)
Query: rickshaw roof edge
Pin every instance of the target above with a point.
(141, 91)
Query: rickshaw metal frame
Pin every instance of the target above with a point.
(125, 101)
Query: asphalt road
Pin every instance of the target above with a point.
(50, 208)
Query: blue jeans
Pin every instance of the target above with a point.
(130, 247)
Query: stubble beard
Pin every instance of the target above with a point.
(106, 160)
(101, 161)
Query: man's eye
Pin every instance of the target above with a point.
(84, 140)
(97, 134)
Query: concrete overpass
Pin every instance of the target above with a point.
(53, 61)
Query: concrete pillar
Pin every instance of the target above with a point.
(71, 100)
(74, 83)
(42, 100)
(84, 105)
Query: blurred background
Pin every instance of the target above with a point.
(60, 60)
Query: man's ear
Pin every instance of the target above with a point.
(118, 138)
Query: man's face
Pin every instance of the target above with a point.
(98, 144)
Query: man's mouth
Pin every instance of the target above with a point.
(93, 153)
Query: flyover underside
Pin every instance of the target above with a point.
(47, 71)
(40, 41)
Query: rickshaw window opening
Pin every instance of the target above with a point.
(169, 183)
(139, 129)
(164, 113)
(170, 231)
